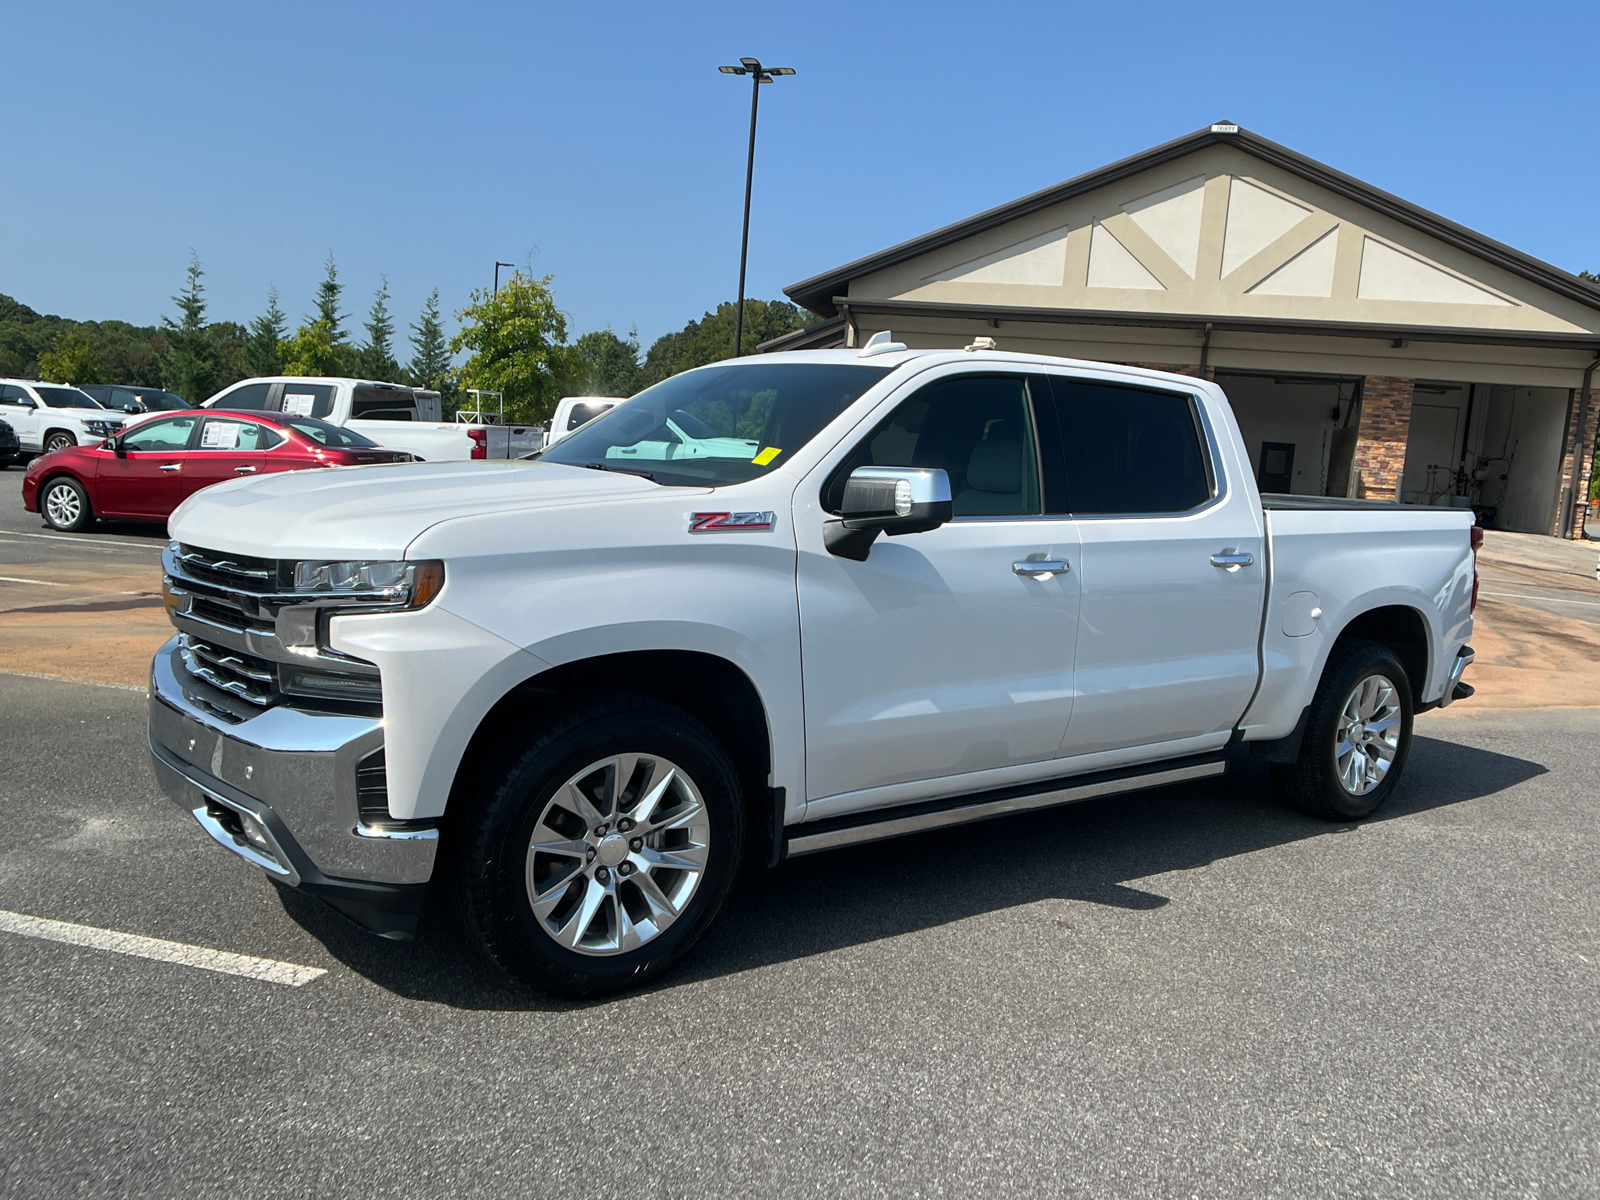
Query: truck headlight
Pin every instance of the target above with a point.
(409, 584)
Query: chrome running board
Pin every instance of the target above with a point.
(959, 810)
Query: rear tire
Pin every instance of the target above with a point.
(65, 505)
(1357, 736)
(605, 850)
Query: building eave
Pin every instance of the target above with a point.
(1200, 322)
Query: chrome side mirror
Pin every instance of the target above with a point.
(890, 500)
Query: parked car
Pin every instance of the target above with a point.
(10, 447)
(134, 398)
(945, 587)
(573, 412)
(52, 416)
(385, 413)
(147, 471)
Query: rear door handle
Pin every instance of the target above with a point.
(1232, 559)
(171, 467)
(244, 470)
(1040, 568)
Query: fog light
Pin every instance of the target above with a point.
(255, 832)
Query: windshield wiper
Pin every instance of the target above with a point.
(599, 466)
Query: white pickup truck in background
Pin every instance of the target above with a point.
(388, 413)
(575, 411)
(892, 591)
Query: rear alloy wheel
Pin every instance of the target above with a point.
(1357, 735)
(59, 440)
(605, 851)
(65, 505)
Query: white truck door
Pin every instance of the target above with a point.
(1172, 572)
(935, 659)
(17, 410)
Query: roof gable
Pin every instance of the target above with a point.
(1227, 223)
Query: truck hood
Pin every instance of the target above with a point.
(377, 511)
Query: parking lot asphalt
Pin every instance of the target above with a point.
(1188, 992)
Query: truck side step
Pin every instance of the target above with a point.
(811, 837)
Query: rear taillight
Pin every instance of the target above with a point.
(480, 442)
(1476, 538)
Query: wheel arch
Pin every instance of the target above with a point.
(44, 438)
(1399, 628)
(713, 689)
(63, 473)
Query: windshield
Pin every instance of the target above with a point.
(162, 401)
(65, 397)
(328, 435)
(718, 425)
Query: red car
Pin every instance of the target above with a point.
(145, 473)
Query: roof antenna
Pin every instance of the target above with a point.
(881, 342)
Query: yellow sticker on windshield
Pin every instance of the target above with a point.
(766, 456)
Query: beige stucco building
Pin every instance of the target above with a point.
(1369, 347)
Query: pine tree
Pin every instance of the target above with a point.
(377, 356)
(430, 362)
(328, 292)
(189, 366)
(263, 352)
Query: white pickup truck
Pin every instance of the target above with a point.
(388, 413)
(918, 588)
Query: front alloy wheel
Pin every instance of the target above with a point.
(599, 855)
(59, 441)
(65, 505)
(618, 854)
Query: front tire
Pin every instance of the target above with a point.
(1357, 736)
(59, 439)
(65, 505)
(605, 851)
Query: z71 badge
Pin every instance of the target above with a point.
(731, 522)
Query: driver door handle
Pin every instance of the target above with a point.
(171, 467)
(1039, 568)
(1232, 558)
(244, 470)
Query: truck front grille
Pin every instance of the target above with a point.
(229, 570)
(251, 679)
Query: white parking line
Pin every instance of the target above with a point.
(39, 582)
(267, 970)
(83, 541)
(1545, 599)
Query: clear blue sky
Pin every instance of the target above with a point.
(429, 140)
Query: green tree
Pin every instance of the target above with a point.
(517, 338)
(430, 359)
(189, 364)
(263, 351)
(75, 358)
(1589, 276)
(229, 341)
(328, 293)
(601, 364)
(710, 339)
(376, 358)
(312, 351)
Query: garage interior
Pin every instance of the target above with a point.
(1492, 447)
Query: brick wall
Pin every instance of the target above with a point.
(1380, 457)
(1586, 464)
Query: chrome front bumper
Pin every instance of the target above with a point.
(279, 789)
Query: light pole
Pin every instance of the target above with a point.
(758, 75)
(497, 267)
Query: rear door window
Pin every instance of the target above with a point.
(222, 433)
(307, 399)
(1130, 450)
